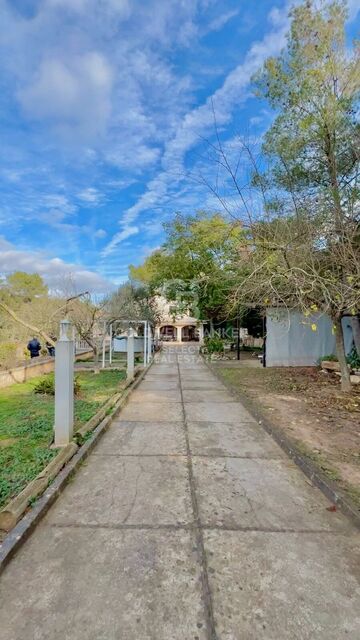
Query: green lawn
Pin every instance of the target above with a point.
(26, 426)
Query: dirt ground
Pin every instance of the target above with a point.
(308, 405)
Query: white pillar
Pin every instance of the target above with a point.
(64, 387)
(111, 344)
(130, 355)
(74, 340)
(145, 343)
(201, 332)
(103, 353)
(178, 334)
(149, 349)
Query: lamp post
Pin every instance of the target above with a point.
(64, 386)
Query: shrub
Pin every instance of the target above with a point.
(214, 344)
(330, 358)
(46, 385)
(8, 354)
(77, 385)
(353, 359)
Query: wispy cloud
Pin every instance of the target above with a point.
(354, 8)
(90, 196)
(200, 122)
(119, 237)
(220, 21)
(105, 105)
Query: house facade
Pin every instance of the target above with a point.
(177, 328)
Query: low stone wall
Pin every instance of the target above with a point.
(33, 368)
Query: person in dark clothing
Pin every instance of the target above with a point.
(34, 347)
(51, 349)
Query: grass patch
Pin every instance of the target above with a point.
(26, 426)
(119, 359)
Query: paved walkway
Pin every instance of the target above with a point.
(186, 523)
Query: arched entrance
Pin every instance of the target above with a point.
(190, 333)
(168, 333)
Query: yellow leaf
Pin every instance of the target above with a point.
(314, 326)
(306, 313)
(314, 307)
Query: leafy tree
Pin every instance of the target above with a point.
(313, 85)
(25, 286)
(306, 252)
(194, 266)
(314, 145)
(26, 308)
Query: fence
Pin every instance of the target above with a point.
(33, 368)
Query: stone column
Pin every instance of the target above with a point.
(111, 344)
(178, 334)
(64, 387)
(149, 349)
(201, 332)
(130, 344)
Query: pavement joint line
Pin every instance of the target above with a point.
(237, 424)
(194, 527)
(184, 455)
(200, 546)
(121, 527)
(140, 455)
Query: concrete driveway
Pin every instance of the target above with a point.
(187, 522)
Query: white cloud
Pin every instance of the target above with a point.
(58, 202)
(353, 8)
(73, 94)
(99, 84)
(90, 196)
(119, 8)
(200, 122)
(220, 21)
(100, 233)
(53, 270)
(119, 237)
(256, 120)
(92, 72)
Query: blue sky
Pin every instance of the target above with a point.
(105, 105)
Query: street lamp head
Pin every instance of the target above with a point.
(64, 329)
